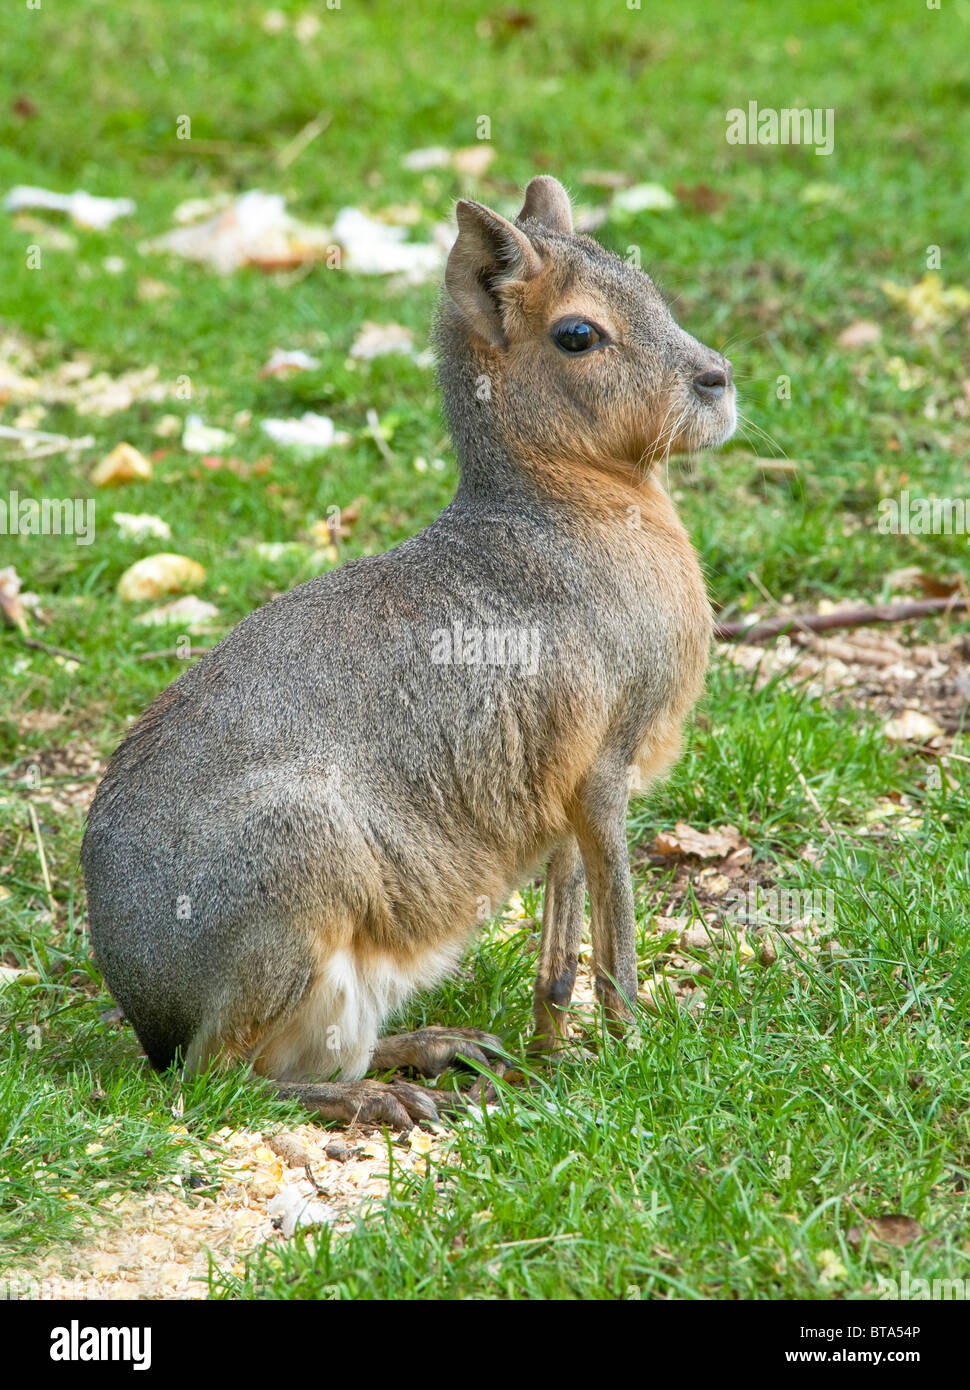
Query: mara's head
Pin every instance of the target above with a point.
(571, 350)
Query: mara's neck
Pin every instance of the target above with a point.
(491, 474)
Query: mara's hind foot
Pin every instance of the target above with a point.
(430, 1051)
(398, 1104)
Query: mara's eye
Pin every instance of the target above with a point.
(576, 335)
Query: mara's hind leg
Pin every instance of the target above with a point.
(397, 1104)
(562, 932)
(319, 1052)
(430, 1051)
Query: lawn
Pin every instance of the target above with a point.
(782, 1098)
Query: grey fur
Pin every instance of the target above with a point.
(323, 783)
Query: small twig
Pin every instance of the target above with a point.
(224, 146)
(40, 443)
(173, 651)
(812, 799)
(43, 857)
(845, 617)
(374, 425)
(320, 1191)
(536, 1240)
(765, 593)
(298, 144)
(52, 651)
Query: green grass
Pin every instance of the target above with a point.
(735, 1147)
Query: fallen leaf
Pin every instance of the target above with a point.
(642, 197)
(895, 1230)
(289, 1149)
(372, 247)
(149, 289)
(139, 526)
(700, 938)
(859, 333)
(291, 1208)
(929, 303)
(473, 160)
(199, 438)
(831, 1270)
(911, 727)
(310, 432)
(376, 339)
(705, 844)
(255, 229)
(189, 612)
(281, 363)
(123, 465)
(929, 584)
(84, 209)
(701, 197)
(767, 953)
(605, 178)
(429, 157)
(11, 605)
(159, 574)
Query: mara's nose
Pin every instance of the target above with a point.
(714, 381)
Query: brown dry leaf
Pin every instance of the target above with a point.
(123, 465)
(157, 575)
(859, 333)
(895, 1230)
(700, 938)
(705, 844)
(768, 953)
(941, 588)
(289, 1149)
(912, 577)
(701, 197)
(10, 604)
(662, 925)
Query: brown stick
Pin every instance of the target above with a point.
(42, 857)
(173, 651)
(52, 651)
(845, 617)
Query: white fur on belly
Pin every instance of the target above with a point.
(335, 1027)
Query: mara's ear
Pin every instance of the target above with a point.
(489, 252)
(548, 202)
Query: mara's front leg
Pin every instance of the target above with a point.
(562, 932)
(601, 832)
